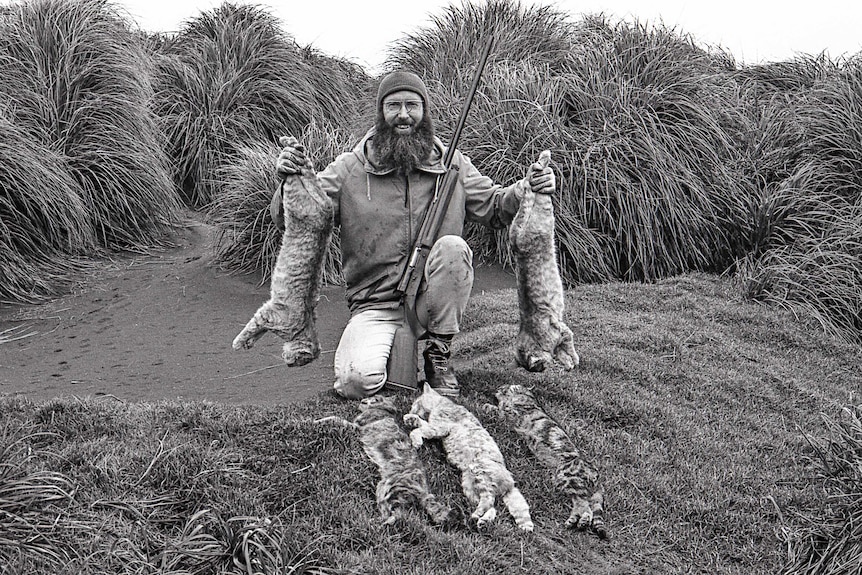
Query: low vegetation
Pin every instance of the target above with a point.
(702, 411)
(231, 78)
(83, 165)
(703, 407)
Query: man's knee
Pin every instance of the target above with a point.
(450, 255)
(453, 245)
(358, 384)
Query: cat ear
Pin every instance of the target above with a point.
(426, 388)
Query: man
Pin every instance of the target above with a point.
(381, 190)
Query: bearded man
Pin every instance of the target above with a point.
(381, 190)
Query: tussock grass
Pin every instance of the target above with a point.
(233, 77)
(808, 254)
(451, 44)
(38, 193)
(636, 120)
(32, 500)
(91, 78)
(694, 404)
(82, 159)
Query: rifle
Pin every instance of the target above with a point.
(402, 366)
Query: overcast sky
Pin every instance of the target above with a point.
(753, 31)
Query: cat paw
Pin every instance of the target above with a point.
(485, 521)
(536, 364)
(526, 526)
(580, 522)
(247, 337)
(416, 439)
(412, 420)
(568, 359)
(489, 410)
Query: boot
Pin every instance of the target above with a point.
(439, 374)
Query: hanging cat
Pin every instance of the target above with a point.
(290, 312)
(572, 474)
(403, 482)
(471, 449)
(543, 335)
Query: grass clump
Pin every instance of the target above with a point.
(76, 93)
(38, 193)
(807, 253)
(635, 117)
(231, 77)
(33, 501)
(830, 543)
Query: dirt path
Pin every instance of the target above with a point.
(160, 327)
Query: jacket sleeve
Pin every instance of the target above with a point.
(486, 202)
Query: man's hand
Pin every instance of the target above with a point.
(291, 159)
(541, 177)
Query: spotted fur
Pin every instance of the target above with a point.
(403, 482)
(573, 475)
(471, 449)
(290, 311)
(543, 336)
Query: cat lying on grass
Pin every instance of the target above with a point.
(403, 482)
(290, 312)
(544, 335)
(572, 474)
(471, 449)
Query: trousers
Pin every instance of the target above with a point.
(366, 342)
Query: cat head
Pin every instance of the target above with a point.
(515, 396)
(426, 402)
(381, 402)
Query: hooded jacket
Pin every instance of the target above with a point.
(379, 212)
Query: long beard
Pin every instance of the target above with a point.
(403, 152)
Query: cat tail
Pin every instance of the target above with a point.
(519, 509)
(440, 514)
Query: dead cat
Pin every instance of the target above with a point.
(471, 449)
(290, 312)
(572, 474)
(403, 482)
(543, 335)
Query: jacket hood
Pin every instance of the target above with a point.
(365, 153)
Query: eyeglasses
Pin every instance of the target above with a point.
(393, 107)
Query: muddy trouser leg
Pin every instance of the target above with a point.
(447, 286)
(362, 353)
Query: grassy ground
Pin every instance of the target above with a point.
(698, 408)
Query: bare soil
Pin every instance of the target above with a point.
(160, 326)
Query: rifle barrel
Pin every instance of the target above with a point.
(462, 119)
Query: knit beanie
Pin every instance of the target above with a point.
(400, 80)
